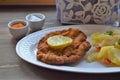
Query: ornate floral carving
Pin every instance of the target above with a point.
(101, 11)
(88, 11)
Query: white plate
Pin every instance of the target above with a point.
(26, 49)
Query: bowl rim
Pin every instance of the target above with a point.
(38, 14)
(17, 21)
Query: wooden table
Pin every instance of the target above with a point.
(13, 67)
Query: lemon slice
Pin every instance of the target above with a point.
(59, 42)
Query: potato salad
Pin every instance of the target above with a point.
(106, 48)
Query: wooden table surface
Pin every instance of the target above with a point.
(13, 67)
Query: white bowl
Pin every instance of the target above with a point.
(36, 21)
(18, 33)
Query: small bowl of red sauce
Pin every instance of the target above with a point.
(18, 28)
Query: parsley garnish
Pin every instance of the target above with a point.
(109, 32)
(119, 41)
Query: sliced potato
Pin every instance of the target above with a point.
(114, 56)
(104, 52)
(92, 56)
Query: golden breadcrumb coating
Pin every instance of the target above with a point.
(70, 54)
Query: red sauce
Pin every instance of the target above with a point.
(18, 25)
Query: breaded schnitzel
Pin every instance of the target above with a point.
(69, 54)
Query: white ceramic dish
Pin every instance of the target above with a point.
(26, 49)
(36, 21)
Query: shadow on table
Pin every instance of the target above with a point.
(39, 73)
